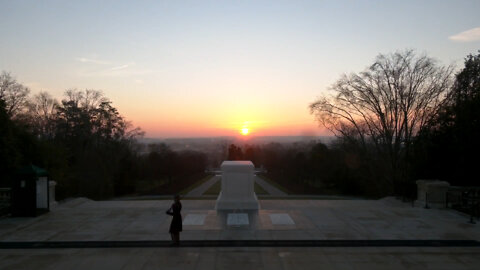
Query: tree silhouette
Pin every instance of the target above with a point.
(13, 93)
(447, 149)
(235, 153)
(386, 105)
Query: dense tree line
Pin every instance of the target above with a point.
(164, 171)
(313, 167)
(449, 148)
(85, 144)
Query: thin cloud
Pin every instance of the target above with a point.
(122, 66)
(118, 72)
(467, 36)
(89, 60)
(127, 69)
(119, 67)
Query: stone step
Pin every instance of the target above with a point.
(240, 243)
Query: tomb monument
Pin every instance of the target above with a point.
(237, 191)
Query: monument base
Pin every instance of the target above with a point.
(250, 203)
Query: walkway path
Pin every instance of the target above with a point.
(269, 188)
(198, 191)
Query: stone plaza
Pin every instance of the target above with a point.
(82, 220)
(239, 231)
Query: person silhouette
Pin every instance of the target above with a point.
(176, 225)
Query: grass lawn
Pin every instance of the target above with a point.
(198, 183)
(259, 190)
(145, 186)
(275, 184)
(215, 189)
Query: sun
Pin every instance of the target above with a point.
(244, 131)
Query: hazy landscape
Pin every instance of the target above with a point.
(284, 127)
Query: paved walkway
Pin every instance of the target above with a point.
(269, 188)
(198, 191)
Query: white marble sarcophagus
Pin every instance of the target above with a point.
(237, 186)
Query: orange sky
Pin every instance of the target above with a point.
(195, 69)
(223, 124)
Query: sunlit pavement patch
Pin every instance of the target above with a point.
(237, 219)
(281, 219)
(194, 219)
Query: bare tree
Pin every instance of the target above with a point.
(88, 99)
(42, 111)
(13, 93)
(387, 104)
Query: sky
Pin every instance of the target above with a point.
(213, 68)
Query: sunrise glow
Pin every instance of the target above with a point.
(191, 69)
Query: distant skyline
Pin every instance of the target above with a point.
(211, 68)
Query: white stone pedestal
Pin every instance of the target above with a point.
(432, 193)
(237, 187)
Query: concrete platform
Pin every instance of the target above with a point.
(83, 220)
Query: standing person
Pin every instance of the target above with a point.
(176, 225)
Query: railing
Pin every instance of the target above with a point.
(5, 201)
(464, 199)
